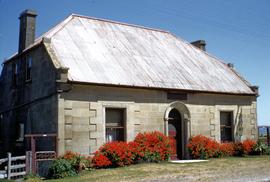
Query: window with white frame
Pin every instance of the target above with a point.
(115, 124)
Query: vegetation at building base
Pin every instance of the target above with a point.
(150, 147)
(249, 168)
(147, 147)
(202, 147)
(69, 164)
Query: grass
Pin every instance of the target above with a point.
(226, 169)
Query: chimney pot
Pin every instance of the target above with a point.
(200, 44)
(255, 89)
(231, 65)
(27, 29)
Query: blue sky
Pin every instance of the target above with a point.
(235, 31)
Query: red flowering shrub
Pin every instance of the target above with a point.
(135, 150)
(119, 153)
(226, 149)
(248, 146)
(154, 146)
(202, 147)
(100, 161)
(238, 149)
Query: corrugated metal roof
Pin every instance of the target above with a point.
(105, 52)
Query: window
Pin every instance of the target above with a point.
(14, 73)
(226, 121)
(1, 132)
(28, 69)
(20, 132)
(114, 124)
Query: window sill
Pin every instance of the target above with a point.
(20, 140)
(28, 81)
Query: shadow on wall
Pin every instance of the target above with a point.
(238, 125)
(93, 93)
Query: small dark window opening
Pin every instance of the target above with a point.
(14, 74)
(115, 124)
(1, 132)
(28, 68)
(176, 96)
(226, 126)
(20, 132)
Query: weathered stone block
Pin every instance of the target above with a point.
(253, 111)
(81, 112)
(68, 131)
(253, 131)
(93, 113)
(68, 104)
(96, 135)
(68, 119)
(212, 133)
(92, 149)
(93, 142)
(212, 121)
(92, 127)
(80, 128)
(81, 104)
(94, 105)
(80, 120)
(212, 127)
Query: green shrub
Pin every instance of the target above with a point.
(261, 149)
(32, 178)
(61, 168)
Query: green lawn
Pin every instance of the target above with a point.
(225, 169)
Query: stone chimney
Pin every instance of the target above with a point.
(27, 29)
(200, 44)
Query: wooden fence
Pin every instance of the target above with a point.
(16, 167)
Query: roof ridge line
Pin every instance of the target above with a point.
(120, 23)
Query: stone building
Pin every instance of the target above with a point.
(91, 80)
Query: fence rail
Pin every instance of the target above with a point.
(13, 168)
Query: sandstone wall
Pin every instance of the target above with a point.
(81, 119)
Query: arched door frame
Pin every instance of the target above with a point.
(185, 116)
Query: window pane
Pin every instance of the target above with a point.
(114, 124)
(226, 118)
(114, 134)
(28, 68)
(226, 134)
(114, 117)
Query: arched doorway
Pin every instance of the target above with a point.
(175, 132)
(177, 125)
